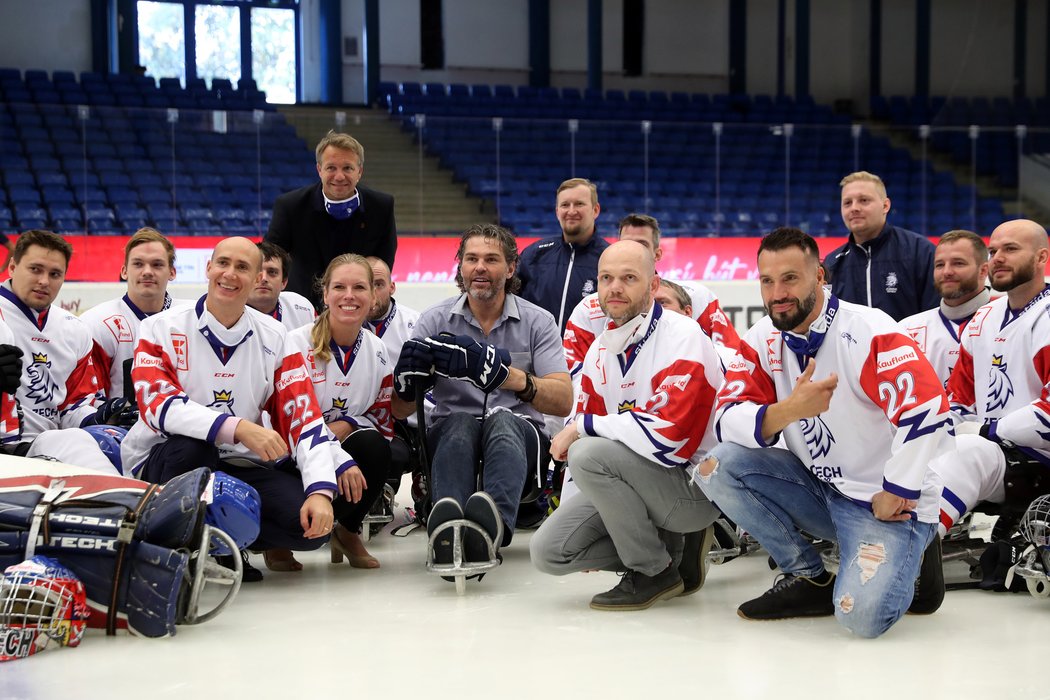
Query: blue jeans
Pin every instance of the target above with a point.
(504, 442)
(773, 496)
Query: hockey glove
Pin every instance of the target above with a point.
(117, 411)
(10, 368)
(415, 367)
(461, 357)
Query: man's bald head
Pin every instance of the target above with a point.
(1018, 253)
(628, 251)
(239, 245)
(627, 280)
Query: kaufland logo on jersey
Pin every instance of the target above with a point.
(894, 358)
(289, 377)
(739, 364)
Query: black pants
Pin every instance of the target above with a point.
(280, 489)
(371, 451)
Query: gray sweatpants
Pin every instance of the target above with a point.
(616, 521)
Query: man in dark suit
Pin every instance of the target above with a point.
(333, 216)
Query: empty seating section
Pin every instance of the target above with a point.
(994, 144)
(741, 181)
(109, 154)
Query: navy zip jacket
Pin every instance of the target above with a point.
(892, 272)
(556, 275)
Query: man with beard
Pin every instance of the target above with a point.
(648, 385)
(392, 322)
(998, 389)
(496, 366)
(860, 414)
(960, 271)
(557, 272)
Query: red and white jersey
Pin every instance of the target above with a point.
(1003, 373)
(10, 416)
(888, 415)
(587, 322)
(191, 374)
(651, 384)
(114, 327)
(59, 383)
(394, 329)
(356, 382)
(938, 336)
(293, 311)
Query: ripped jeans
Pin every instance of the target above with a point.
(773, 496)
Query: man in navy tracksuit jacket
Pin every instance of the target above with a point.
(881, 266)
(557, 272)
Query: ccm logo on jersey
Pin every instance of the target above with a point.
(895, 357)
(290, 377)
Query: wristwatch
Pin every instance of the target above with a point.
(529, 392)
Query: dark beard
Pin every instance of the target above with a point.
(792, 321)
(1020, 277)
(965, 289)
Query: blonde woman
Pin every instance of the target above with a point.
(352, 379)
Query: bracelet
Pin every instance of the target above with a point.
(529, 392)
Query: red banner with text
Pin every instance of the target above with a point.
(99, 258)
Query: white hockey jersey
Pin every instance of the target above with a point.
(59, 383)
(355, 384)
(1003, 374)
(651, 384)
(293, 311)
(394, 329)
(114, 327)
(587, 322)
(191, 374)
(888, 415)
(937, 335)
(10, 415)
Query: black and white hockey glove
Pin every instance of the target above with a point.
(119, 411)
(462, 357)
(10, 368)
(415, 368)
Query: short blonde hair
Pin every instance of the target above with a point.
(865, 176)
(344, 142)
(576, 182)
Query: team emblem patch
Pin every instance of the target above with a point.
(1000, 388)
(223, 401)
(626, 406)
(818, 436)
(41, 388)
(891, 283)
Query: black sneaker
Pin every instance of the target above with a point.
(693, 568)
(929, 586)
(249, 574)
(636, 591)
(792, 596)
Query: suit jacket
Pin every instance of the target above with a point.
(313, 237)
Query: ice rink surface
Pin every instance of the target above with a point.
(333, 631)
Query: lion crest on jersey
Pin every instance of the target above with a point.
(1000, 388)
(41, 388)
(223, 401)
(818, 436)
